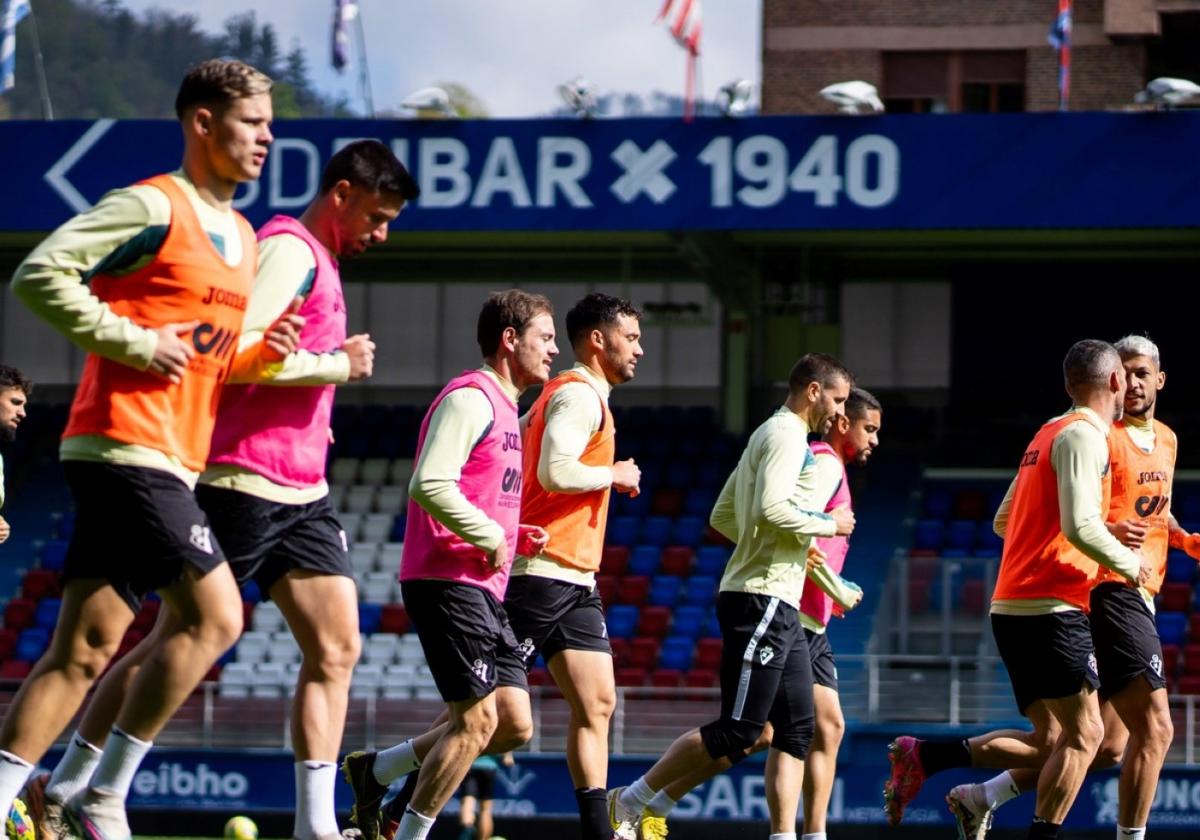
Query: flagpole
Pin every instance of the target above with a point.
(364, 73)
(43, 88)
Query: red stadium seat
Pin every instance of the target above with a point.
(614, 559)
(633, 590)
(654, 621)
(666, 678)
(667, 502)
(393, 618)
(1191, 660)
(18, 613)
(643, 652)
(15, 669)
(676, 560)
(247, 614)
(148, 614)
(708, 655)
(1170, 661)
(971, 598)
(606, 588)
(540, 676)
(1194, 628)
(1187, 685)
(714, 537)
(700, 678)
(970, 504)
(1177, 597)
(41, 583)
(620, 651)
(630, 676)
(8, 642)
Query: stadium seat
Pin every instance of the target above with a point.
(391, 499)
(666, 678)
(379, 588)
(1172, 627)
(41, 583)
(31, 644)
(374, 471)
(711, 560)
(1188, 685)
(381, 649)
(699, 502)
(654, 621)
(970, 504)
(337, 494)
(700, 678)
(699, 590)
(15, 669)
(343, 471)
(236, 679)
(411, 652)
(656, 530)
(622, 618)
(54, 555)
(631, 677)
(270, 679)
(376, 527)
(643, 652)
(676, 653)
(621, 530)
(689, 620)
(667, 501)
(398, 682)
(927, 535)
(936, 503)
(540, 676)
(614, 560)
(708, 653)
(971, 597)
(677, 560)
(369, 616)
(633, 590)
(1191, 658)
(606, 588)
(1175, 597)
(366, 681)
(987, 541)
(960, 534)
(283, 648)
(688, 530)
(252, 646)
(664, 590)
(1180, 568)
(401, 472)
(393, 619)
(8, 642)
(644, 560)
(359, 499)
(267, 617)
(1170, 661)
(364, 557)
(620, 651)
(46, 615)
(680, 473)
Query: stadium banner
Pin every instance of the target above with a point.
(898, 172)
(256, 781)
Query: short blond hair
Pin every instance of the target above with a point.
(218, 82)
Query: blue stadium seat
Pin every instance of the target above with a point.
(700, 418)
(711, 477)
(636, 506)
(31, 644)
(711, 560)
(700, 590)
(676, 653)
(1188, 507)
(937, 503)
(251, 593)
(1180, 568)
(399, 525)
(656, 530)
(66, 525)
(699, 502)
(927, 536)
(644, 560)
(621, 620)
(961, 534)
(54, 555)
(1172, 627)
(621, 530)
(368, 617)
(679, 474)
(47, 613)
(689, 620)
(664, 591)
(688, 530)
(987, 542)
(713, 631)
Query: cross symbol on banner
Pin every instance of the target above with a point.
(644, 171)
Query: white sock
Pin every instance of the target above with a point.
(999, 789)
(1131, 833)
(315, 814)
(119, 762)
(661, 804)
(394, 762)
(14, 773)
(816, 835)
(74, 771)
(414, 826)
(784, 835)
(636, 797)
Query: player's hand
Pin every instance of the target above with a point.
(507, 759)
(173, 352)
(531, 539)
(1145, 571)
(627, 477)
(1130, 532)
(816, 557)
(844, 517)
(1191, 546)
(283, 336)
(5, 529)
(499, 558)
(361, 350)
(858, 596)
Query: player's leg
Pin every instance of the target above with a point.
(792, 716)
(1145, 712)
(1063, 774)
(486, 823)
(821, 764)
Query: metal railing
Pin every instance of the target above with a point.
(946, 628)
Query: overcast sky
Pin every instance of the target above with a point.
(510, 53)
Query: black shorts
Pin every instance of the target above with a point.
(264, 540)
(1126, 639)
(136, 528)
(1047, 656)
(463, 631)
(824, 669)
(480, 782)
(766, 674)
(549, 616)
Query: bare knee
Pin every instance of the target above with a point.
(596, 711)
(477, 724)
(1111, 751)
(1087, 735)
(221, 627)
(331, 658)
(84, 659)
(830, 730)
(1159, 731)
(513, 731)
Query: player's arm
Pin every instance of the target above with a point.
(844, 593)
(723, 518)
(121, 230)
(459, 422)
(782, 460)
(573, 415)
(1080, 456)
(1179, 538)
(1000, 520)
(286, 268)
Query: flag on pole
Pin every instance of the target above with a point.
(1060, 38)
(14, 12)
(684, 19)
(344, 11)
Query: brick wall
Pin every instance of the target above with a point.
(921, 12)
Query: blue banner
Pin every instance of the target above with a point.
(257, 781)
(997, 171)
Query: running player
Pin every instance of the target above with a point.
(1133, 696)
(462, 534)
(15, 388)
(265, 491)
(767, 508)
(851, 439)
(1055, 541)
(170, 266)
(569, 443)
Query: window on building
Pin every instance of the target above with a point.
(987, 81)
(1175, 53)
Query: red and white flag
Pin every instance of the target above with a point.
(686, 22)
